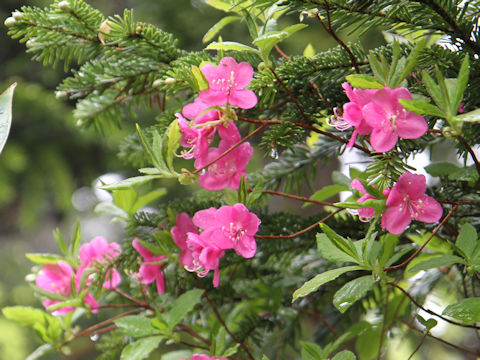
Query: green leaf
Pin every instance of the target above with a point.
(329, 251)
(151, 152)
(214, 30)
(421, 108)
(219, 4)
(372, 190)
(341, 243)
(352, 291)
(472, 116)
(467, 311)
(148, 198)
(182, 306)
(410, 63)
(140, 349)
(429, 324)
(461, 84)
(362, 81)
(26, 316)
(434, 91)
(435, 262)
(368, 343)
(323, 278)
(130, 182)
(341, 179)
(136, 326)
(44, 258)
(76, 239)
(6, 114)
(467, 240)
(345, 355)
(465, 174)
(441, 169)
(389, 242)
(327, 192)
(109, 208)
(230, 45)
(256, 193)
(201, 82)
(61, 244)
(267, 41)
(178, 354)
(309, 51)
(311, 351)
(125, 199)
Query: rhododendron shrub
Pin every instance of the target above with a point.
(210, 265)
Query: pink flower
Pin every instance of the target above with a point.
(198, 113)
(230, 227)
(352, 112)
(407, 201)
(227, 171)
(390, 120)
(197, 139)
(204, 357)
(99, 251)
(179, 235)
(206, 255)
(56, 278)
(150, 270)
(227, 84)
(365, 213)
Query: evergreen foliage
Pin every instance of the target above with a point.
(125, 65)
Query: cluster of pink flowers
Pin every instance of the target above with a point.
(379, 114)
(204, 357)
(57, 278)
(210, 112)
(204, 240)
(406, 201)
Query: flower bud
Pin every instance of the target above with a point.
(60, 94)
(64, 6)
(157, 83)
(10, 21)
(170, 81)
(17, 15)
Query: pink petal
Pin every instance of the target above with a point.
(401, 93)
(146, 254)
(383, 139)
(428, 210)
(211, 73)
(243, 75)
(349, 92)
(357, 185)
(375, 115)
(246, 246)
(112, 279)
(213, 97)
(205, 218)
(160, 283)
(244, 99)
(412, 184)
(352, 113)
(411, 126)
(229, 132)
(387, 99)
(396, 219)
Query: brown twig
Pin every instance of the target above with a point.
(405, 292)
(281, 53)
(320, 318)
(439, 226)
(229, 150)
(300, 198)
(294, 99)
(465, 350)
(101, 324)
(328, 28)
(298, 233)
(220, 318)
(464, 142)
(384, 325)
(308, 127)
(193, 333)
